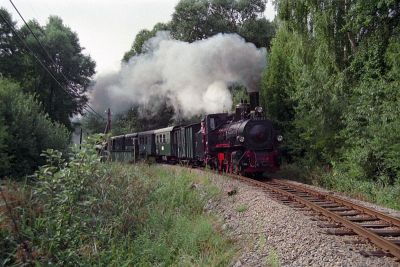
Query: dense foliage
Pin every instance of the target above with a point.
(35, 113)
(84, 212)
(25, 131)
(62, 56)
(332, 85)
(200, 19)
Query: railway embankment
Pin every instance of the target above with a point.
(270, 233)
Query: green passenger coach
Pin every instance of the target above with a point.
(166, 145)
(147, 146)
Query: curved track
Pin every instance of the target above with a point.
(380, 229)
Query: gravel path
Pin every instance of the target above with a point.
(272, 234)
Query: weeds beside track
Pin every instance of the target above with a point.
(84, 212)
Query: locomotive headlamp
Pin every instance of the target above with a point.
(279, 138)
(241, 139)
(259, 109)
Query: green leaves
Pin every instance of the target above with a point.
(64, 190)
(196, 20)
(25, 131)
(141, 38)
(332, 85)
(62, 56)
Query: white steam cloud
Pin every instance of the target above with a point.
(192, 77)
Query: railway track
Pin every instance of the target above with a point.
(343, 217)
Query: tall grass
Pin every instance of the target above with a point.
(363, 189)
(84, 212)
(385, 195)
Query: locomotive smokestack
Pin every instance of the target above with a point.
(254, 101)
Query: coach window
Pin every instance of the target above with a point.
(163, 138)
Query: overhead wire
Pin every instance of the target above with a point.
(36, 57)
(39, 42)
(93, 112)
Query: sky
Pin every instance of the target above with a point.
(106, 28)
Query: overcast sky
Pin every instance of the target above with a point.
(106, 28)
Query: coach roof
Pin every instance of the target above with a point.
(167, 129)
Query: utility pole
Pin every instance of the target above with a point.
(80, 139)
(106, 131)
(108, 126)
(109, 119)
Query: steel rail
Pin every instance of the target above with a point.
(381, 242)
(384, 217)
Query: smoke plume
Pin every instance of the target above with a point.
(192, 77)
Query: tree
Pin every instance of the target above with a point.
(140, 40)
(10, 49)
(69, 65)
(258, 31)
(372, 117)
(200, 19)
(62, 56)
(25, 131)
(190, 21)
(330, 84)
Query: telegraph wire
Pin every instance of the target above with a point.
(37, 59)
(45, 67)
(48, 54)
(39, 42)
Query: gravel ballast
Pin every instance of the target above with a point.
(271, 234)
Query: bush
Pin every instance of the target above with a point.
(25, 131)
(84, 212)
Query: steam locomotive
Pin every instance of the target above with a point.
(244, 142)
